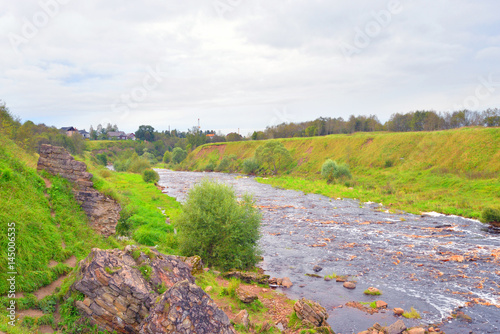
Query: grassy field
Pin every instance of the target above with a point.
(452, 172)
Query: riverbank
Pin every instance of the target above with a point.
(453, 172)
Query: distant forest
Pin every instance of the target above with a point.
(30, 136)
(404, 122)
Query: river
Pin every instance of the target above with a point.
(436, 264)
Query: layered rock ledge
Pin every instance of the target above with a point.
(139, 290)
(103, 211)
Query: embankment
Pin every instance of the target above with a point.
(453, 172)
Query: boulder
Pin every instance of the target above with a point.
(286, 282)
(372, 291)
(349, 285)
(416, 330)
(195, 263)
(245, 296)
(311, 312)
(242, 318)
(398, 311)
(122, 287)
(317, 268)
(248, 277)
(185, 308)
(381, 304)
(396, 328)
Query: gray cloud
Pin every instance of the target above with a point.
(235, 64)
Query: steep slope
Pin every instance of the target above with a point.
(454, 172)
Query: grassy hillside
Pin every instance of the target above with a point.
(453, 172)
(49, 223)
(50, 227)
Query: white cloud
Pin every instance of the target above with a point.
(233, 70)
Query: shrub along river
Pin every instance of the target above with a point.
(439, 265)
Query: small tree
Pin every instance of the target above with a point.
(178, 155)
(150, 176)
(331, 171)
(274, 154)
(167, 157)
(219, 228)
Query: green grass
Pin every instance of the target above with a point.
(144, 209)
(49, 224)
(413, 314)
(452, 172)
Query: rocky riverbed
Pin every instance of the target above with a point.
(445, 267)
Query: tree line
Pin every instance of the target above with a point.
(424, 120)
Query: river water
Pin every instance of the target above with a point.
(436, 264)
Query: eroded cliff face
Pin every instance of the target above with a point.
(139, 290)
(103, 211)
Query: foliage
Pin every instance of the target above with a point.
(233, 136)
(226, 164)
(102, 159)
(178, 155)
(274, 154)
(218, 227)
(150, 176)
(490, 215)
(250, 166)
(167, 157)
(332, 171)
(413, 314)
(145, 132)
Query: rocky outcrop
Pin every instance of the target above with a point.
(103, 211)
(123, 288)
(248, 277)
(312, 313)
(185, 308)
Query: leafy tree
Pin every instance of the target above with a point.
(219, 228)
(92, 133)
(167, 156)
(145, 132)
(233, 136)
(178, 155)
(274, 154)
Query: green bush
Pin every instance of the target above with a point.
(331, 171)
(226, 164)
(150, 176)
(250, 166)
(102, 159)
(490, 215)
(219, 228)
(178, 155)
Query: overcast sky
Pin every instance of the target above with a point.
(244, 64)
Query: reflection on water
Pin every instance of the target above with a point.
(433, 263)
